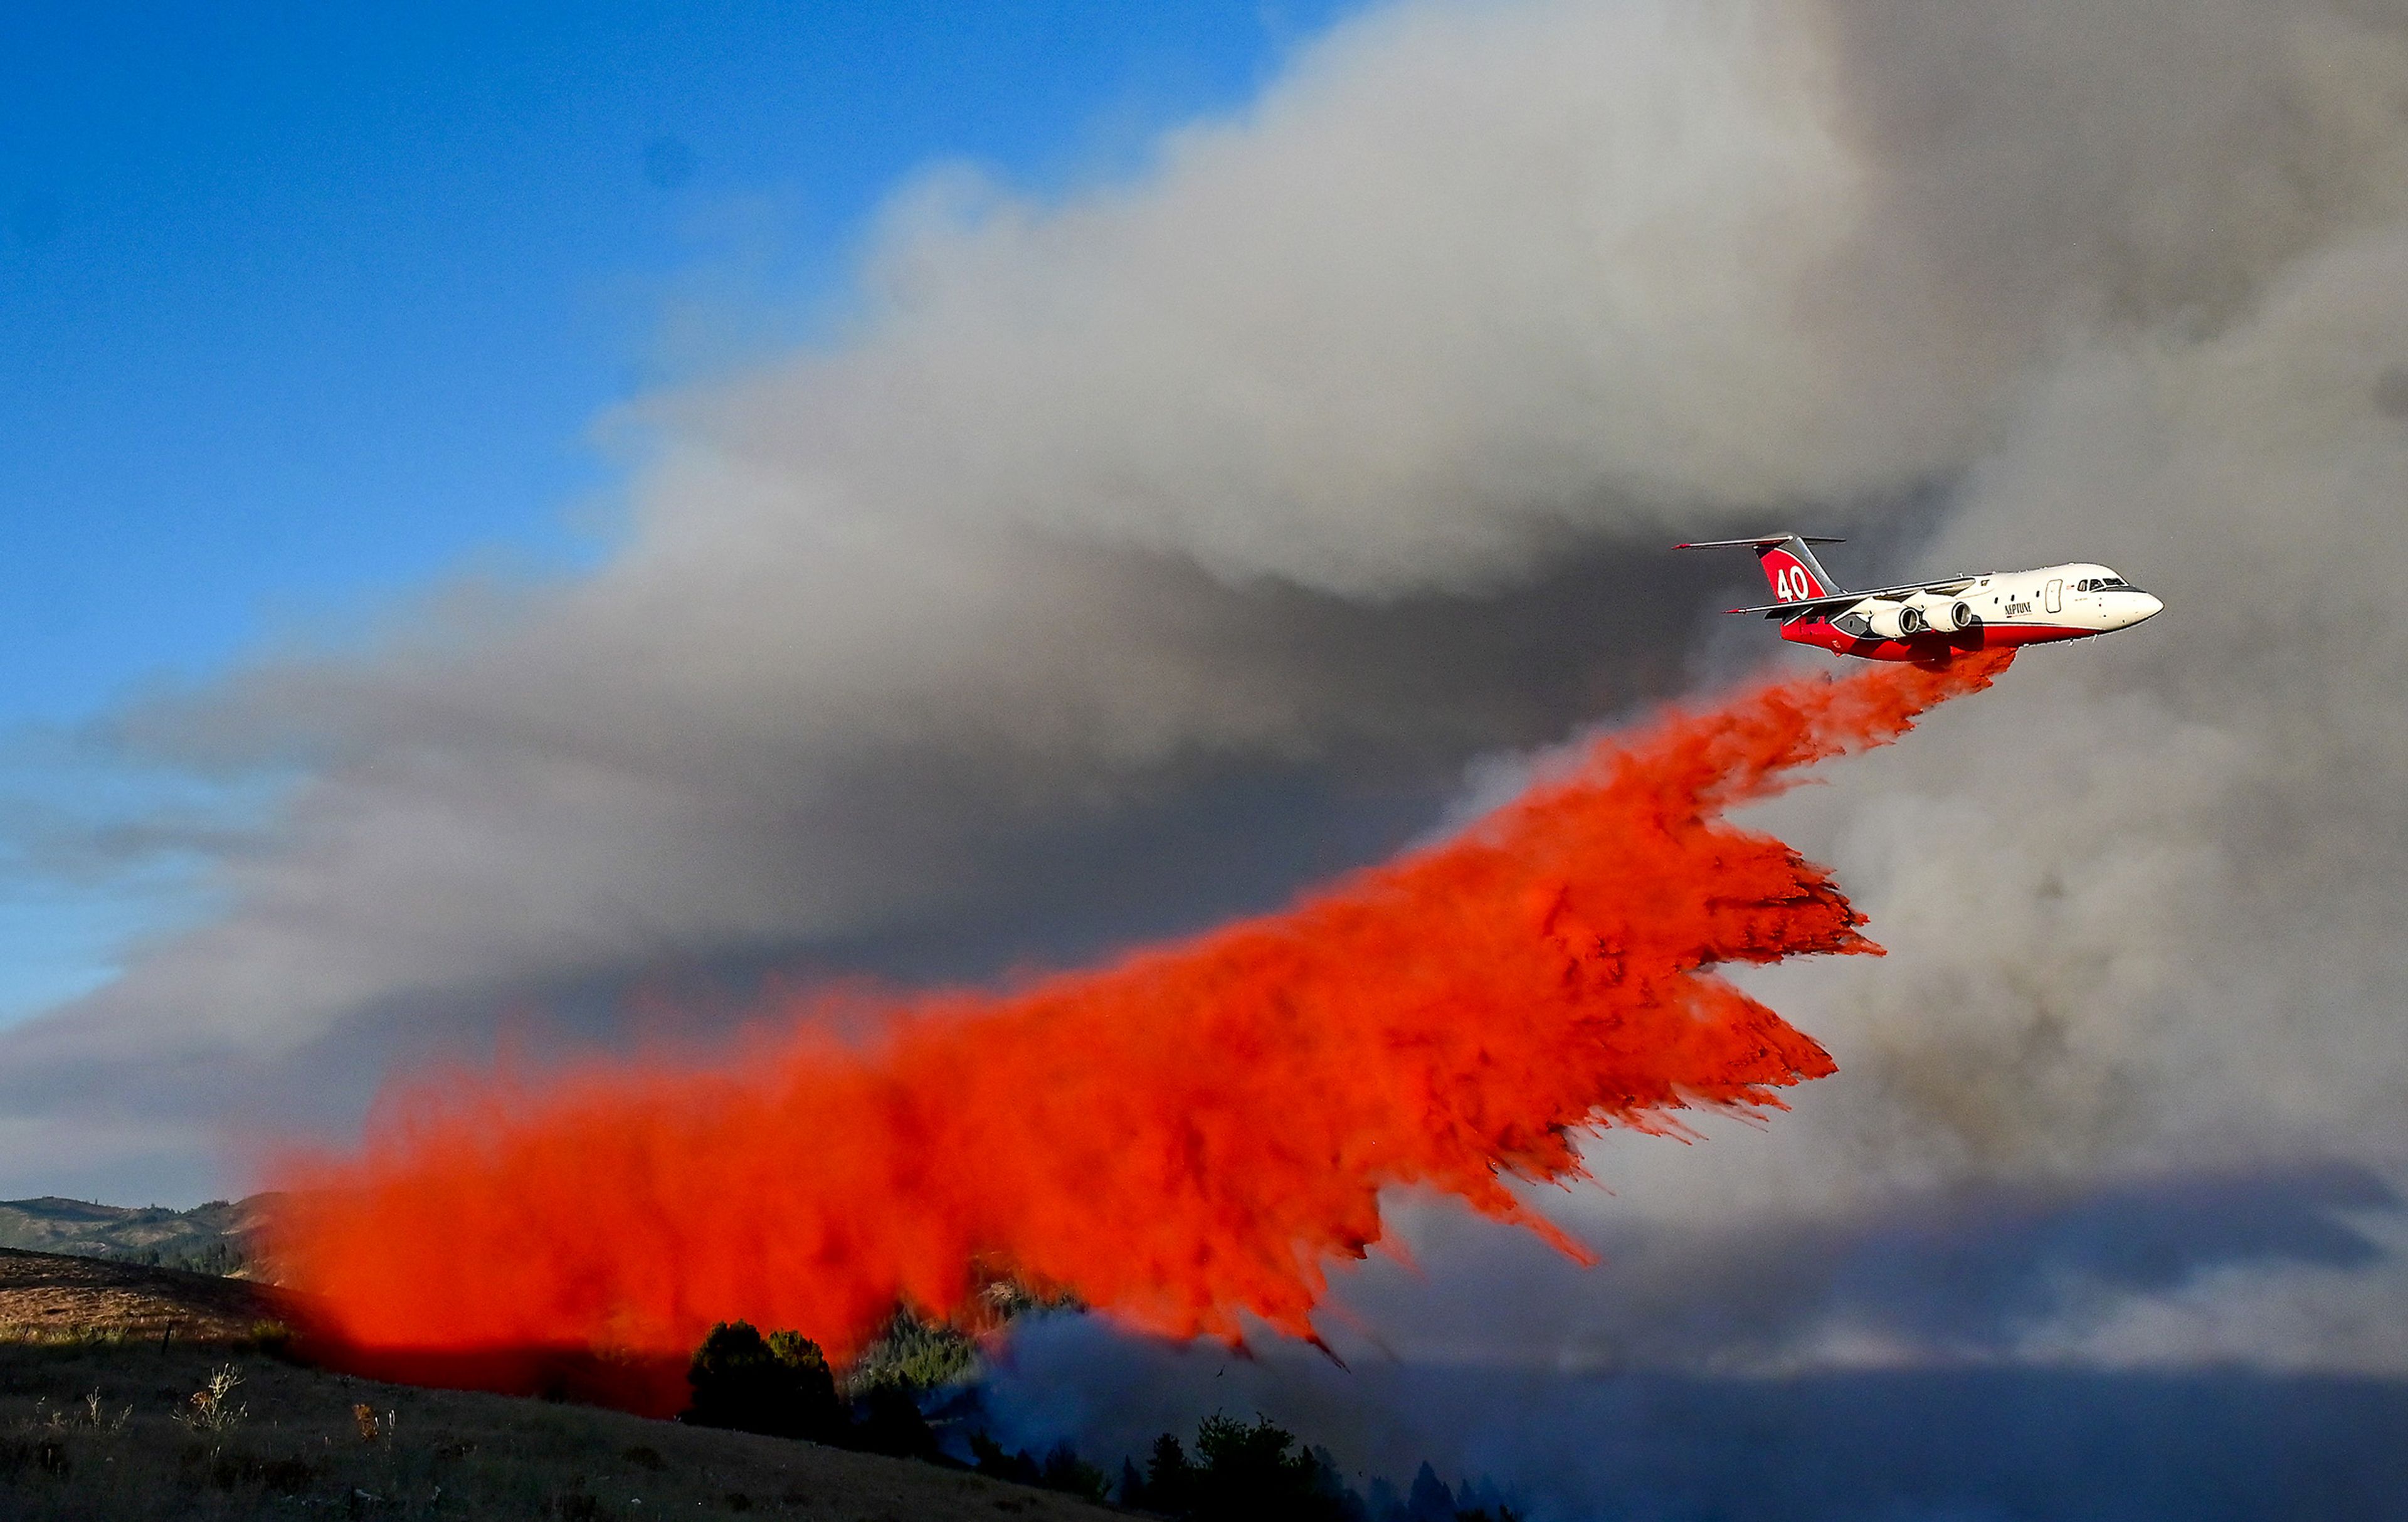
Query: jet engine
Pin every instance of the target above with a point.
(1946, 615)
(1893, 620)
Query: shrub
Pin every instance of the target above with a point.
(212, 1410)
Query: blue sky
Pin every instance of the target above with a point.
(301, 307)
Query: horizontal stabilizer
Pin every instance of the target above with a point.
(1757, 543)
(1787, 561)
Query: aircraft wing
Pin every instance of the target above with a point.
(1844, 599)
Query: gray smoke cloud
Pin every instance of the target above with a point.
(1133, 559)
(1274, 463)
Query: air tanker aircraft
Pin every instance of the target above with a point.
(1929, 619)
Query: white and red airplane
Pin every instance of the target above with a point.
(1928, 620)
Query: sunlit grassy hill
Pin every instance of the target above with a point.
(55, 1297)
(215, 1237)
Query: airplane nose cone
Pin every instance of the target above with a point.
(2144, 607)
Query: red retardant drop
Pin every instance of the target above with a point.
(1183, 1138)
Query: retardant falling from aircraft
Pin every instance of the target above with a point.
(1187, 1137)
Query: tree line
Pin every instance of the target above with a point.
(781, 1385)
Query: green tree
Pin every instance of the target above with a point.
(1066, 1471)
(1168, 1483)
(889, 1422)
(1062, 1469)
(778, 1385)
(1242, 1472)
(918, 1355)
(992, 1458)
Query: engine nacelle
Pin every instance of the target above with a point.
(1946, 615)
(1885, 620)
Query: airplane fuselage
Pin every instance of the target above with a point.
(2054, 603)
(1928, 620)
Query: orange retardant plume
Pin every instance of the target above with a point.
(1183, 1139)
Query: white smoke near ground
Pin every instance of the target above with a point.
(1335, 450)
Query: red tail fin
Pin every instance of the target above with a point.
(1794, 572)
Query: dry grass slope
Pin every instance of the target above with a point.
(54, 1297)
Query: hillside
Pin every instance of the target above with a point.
(93, 1432)
(55, 1297)
(97, 1419)
(214, 1238)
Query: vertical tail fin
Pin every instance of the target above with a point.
(1789, 566)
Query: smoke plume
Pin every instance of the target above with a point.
(1185, 1139)
(1138, 554)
